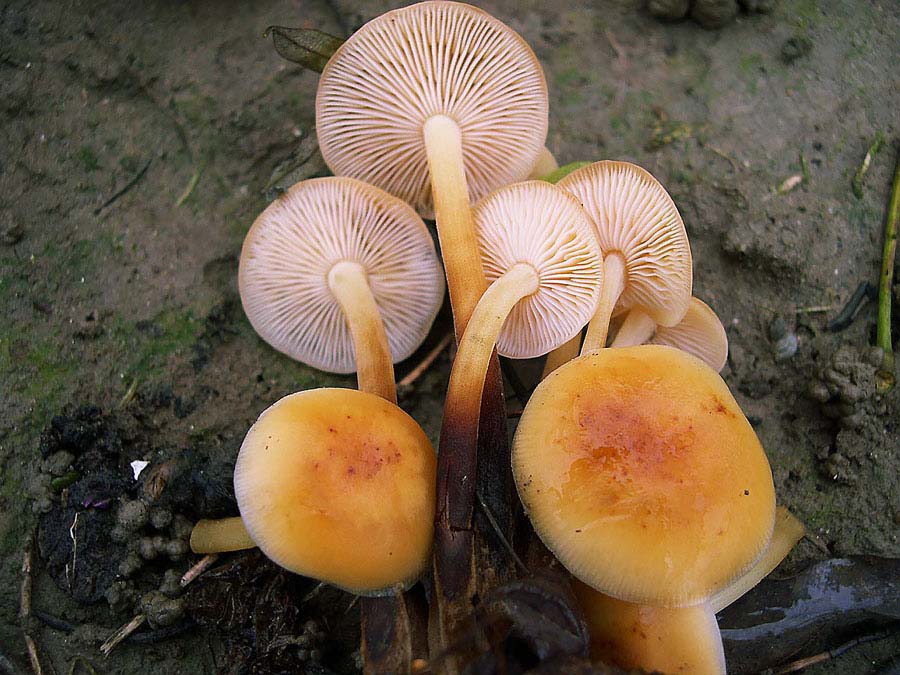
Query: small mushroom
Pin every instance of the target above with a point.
(545, 165)
(642, 475)
(646, 255)
(438, 103)
(699, 333)
(342, 276)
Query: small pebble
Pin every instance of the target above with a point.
(130, 564)
(161, 610)
(160, 518)
(786, 347)
(147, 549)
(133, 515)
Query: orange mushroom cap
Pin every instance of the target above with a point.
(305, 233)
(636, 218)
(432, 58)
(338, 485)
(641, 474)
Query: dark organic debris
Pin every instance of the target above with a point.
(824, 606)
(864, 292)
(795, 47)
(125, 188)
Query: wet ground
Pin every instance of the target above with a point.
(139, 141)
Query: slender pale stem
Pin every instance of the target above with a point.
(788, 531)
(219, 536)
(637, 328)
(453, 215)
(562, 355)
(374, 366)
(885, 377)
(613, 285)
(459, 434)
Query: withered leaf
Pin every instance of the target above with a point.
(305, 46)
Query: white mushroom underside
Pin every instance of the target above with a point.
(428, 59)
(535, 223)
(636, 217)
(299, 237)
(699, 333)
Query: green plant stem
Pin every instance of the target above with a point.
(886, 375)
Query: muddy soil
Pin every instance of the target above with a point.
(139, 141)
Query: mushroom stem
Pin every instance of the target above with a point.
(220, 536)
(453, 215)
(562, 355)
(637, 328)
(545, 165)
(374, 366)
(788, 531)
(459, 433)
(613, 285)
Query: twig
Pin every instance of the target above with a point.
(190, 186)
(800, 664)
(199, 568)
(845, 317)
(426, 362)
(130, 184)
(857, 183)
(25, 592)
(33, 657)
(128, 395)
(122, 633)
(74, 539)
(885, 376)
(815, 309)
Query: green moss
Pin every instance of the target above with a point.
(88, 159)
(147, 345)
(749, 69)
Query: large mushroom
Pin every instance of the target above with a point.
(641, 474)
(438, 103)
(539, 250)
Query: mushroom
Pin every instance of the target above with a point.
(545, 165)
(652, 639)
(642, 475)
(341, 276)
(699, 333)
(646, 255)
(539, 251)
(338, 485)
(679, 639)
(438, 103)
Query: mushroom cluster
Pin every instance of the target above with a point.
(634, 463)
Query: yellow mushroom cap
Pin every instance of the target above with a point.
(536, 223)
(652, 639)
(637, 218)
(432, 58)
(641, 474)
(287, 255)
(699, 333)
(338, 485)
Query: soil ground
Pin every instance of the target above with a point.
(130, 303)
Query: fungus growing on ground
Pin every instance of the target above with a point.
(699, 333)
(641, 474)
(539, 250)
(545, 165)
(438, 103)
(646, 255)
(342, 276)
(652, 639)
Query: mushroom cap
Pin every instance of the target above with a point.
(652, 639)
(535, 222)
(637, 218)
(699, 333)
(283, 276)
(338, 484)
(432, 58)
(641, 474)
